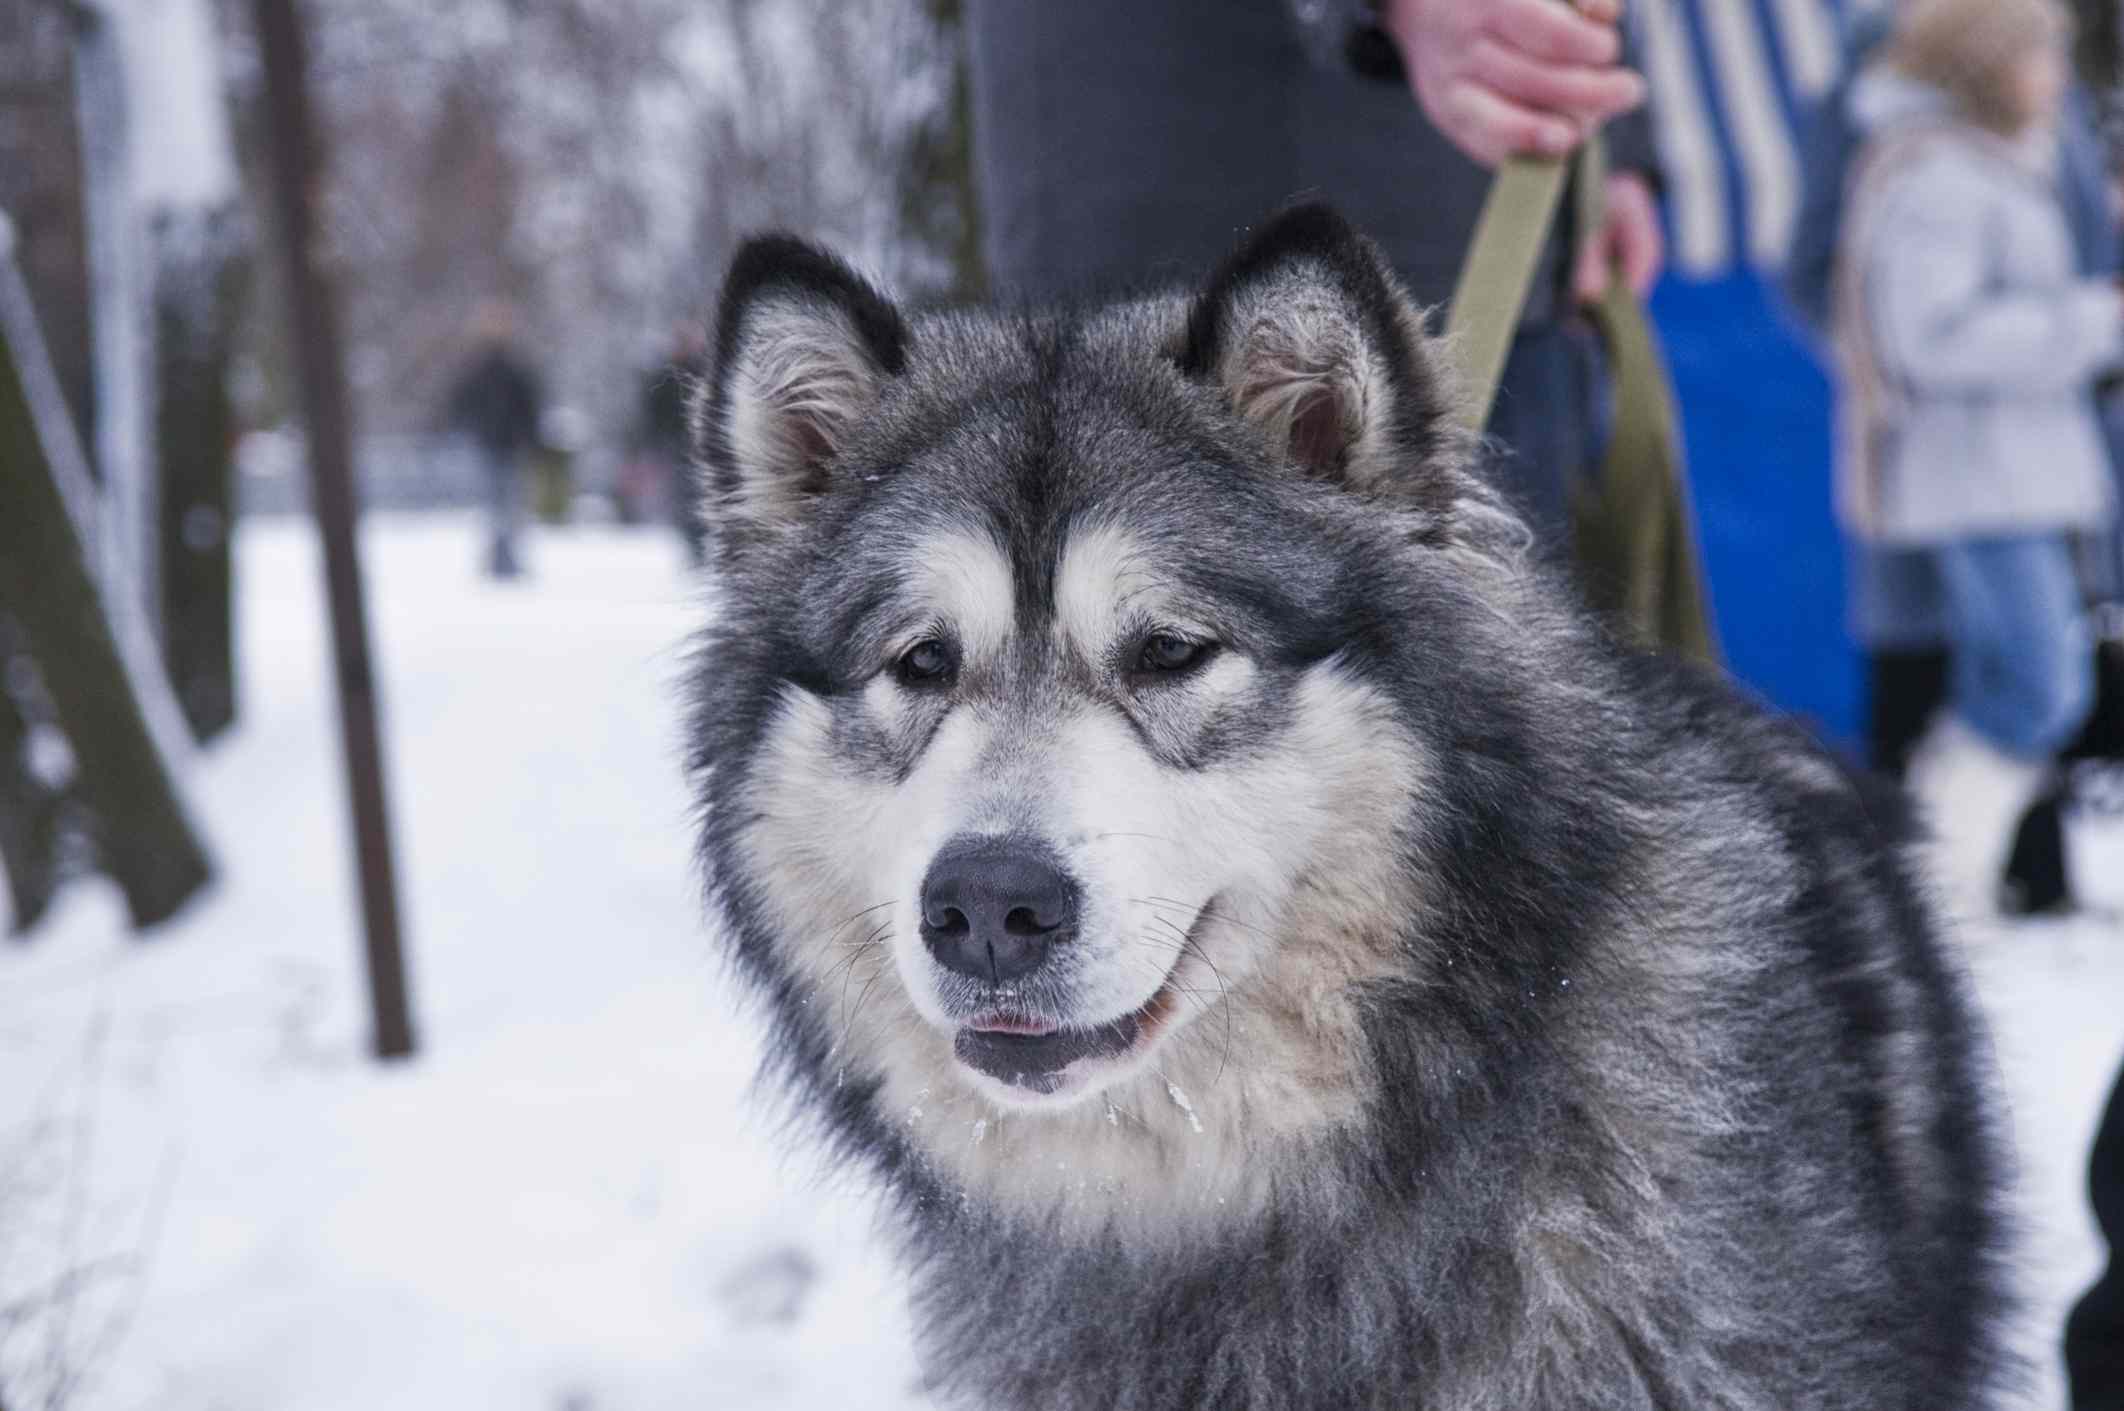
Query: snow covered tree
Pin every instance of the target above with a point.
(594, 162)
(186, 202)
(86, 632)
(114, 159)
(201, 267)
(40, 189)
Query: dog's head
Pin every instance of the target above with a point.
(1049, 740)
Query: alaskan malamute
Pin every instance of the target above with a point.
(1278, 950)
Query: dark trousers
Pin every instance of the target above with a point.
(505, 511)
(1545, 428)
(2094, 1334)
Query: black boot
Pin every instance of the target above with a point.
(2102, 737)
(2036, 883)
(1905, 687)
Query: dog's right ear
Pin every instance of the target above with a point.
(804, 348)
(1310, 338)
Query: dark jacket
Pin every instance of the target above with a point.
(663, 430)
(1126, 143)
(496, 403)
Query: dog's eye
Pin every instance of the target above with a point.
(1167, 652)
(928, 662)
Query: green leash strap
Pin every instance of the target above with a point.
(1634, 550)
(1631, 531)
(1498, 275)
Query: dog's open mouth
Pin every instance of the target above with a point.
(1037, 1058)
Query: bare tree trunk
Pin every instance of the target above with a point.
(41, 186)
(88, 634)
(118, 302)
(28, 807)
(200, 267)
(315, 313)
(938, 200)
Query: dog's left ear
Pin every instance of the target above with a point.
(1312, 339)
(804, 349)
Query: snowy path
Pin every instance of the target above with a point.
(568, 1201)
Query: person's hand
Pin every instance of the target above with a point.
(1502, 78)
(1629, 239)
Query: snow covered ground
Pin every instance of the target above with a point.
(216, 1202)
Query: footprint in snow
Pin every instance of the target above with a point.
(769, 1288)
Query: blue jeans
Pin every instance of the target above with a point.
(2023, 658)
(505, 510)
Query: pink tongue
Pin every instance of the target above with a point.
(1036, 1061)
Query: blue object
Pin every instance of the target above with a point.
(1733, 86)
(2023, 663)
(1757, 430)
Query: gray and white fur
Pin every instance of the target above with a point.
(1276, 949)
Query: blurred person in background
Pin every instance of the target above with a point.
(1898, 606)
(660, 437)
(1122, 142)
(1898, 599)
(1971, 337)
(495, 406)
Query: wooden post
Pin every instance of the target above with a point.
(87, 630)
(296, 174)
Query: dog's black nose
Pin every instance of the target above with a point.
(992, 908)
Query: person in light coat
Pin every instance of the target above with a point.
(1970, 345)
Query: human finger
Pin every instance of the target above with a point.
(1592, 268)
(1491, 128)
(1556, 33)
(1640, 244)
(1586, 95)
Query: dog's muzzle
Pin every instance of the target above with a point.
(994, 909)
